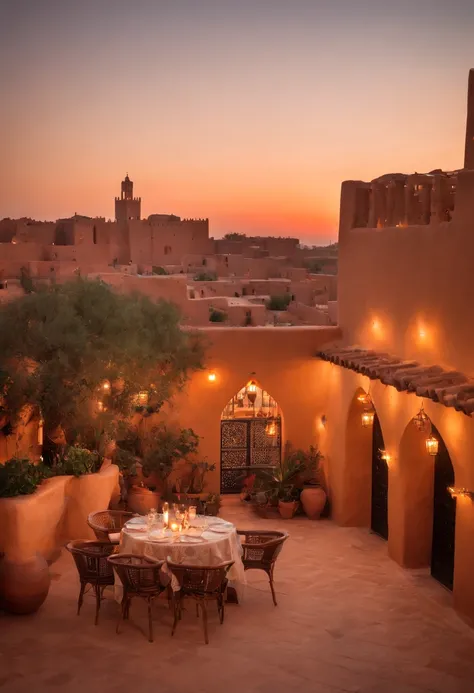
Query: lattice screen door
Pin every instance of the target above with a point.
(245, 447)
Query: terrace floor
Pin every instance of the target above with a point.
(349, 619)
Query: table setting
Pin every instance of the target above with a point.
(182, 536)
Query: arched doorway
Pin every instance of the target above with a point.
(444, 516)
(379, 505)
(250, 436)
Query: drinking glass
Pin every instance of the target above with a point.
(192, 513)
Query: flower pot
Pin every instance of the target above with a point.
(24, 585)
(287, 509)
(313, 500)
(141, 500)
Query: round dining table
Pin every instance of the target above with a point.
(209, 541)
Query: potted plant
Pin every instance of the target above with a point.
(288, 502)
(161, 448)
(212, 503)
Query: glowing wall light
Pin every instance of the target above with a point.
(367, 418)
(211, 376)
(432, 445)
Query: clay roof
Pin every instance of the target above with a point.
(448, 387)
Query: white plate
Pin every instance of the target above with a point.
(218, 530)
(136, 521)
(186, 539)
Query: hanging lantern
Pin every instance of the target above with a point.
(421, 420)
(252, 391)
(106, 386)
(271, 429)
(364, 398)
(142, 398)
(368, 418)
(432, 445)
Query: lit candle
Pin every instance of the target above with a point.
(165, 518)
(192, 513)
(174, 527)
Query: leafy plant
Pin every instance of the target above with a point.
(217, 315)
(279, 302)
(77, 461)
(288, 477)
(205, 277)
(19, 477)
(164, 446)
(158, 270)
(199, 472)
(213, 503)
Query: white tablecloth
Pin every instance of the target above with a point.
(216, 547)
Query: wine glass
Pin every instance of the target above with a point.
(192, 513)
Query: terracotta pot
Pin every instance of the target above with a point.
(24, 585)
(287, 509)
(141, 500)
(313, 500)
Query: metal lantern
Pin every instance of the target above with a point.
(271, 429)
(252, 391)
(421, 420)
(432, 445)
(368, 417)
(364, 398)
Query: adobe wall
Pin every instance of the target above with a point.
(410, 290)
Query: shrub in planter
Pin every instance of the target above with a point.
(212, 504)
(19, 477)
(77, 461)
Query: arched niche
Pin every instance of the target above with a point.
(251, 434)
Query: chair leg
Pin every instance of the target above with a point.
(123, 611)
(220, 607)
(97, 603)
(176, 613)
(81, 597)
(197, 609)
(270, 575)
(204, 621)
(150, 622)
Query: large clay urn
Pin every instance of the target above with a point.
(313, 500)
(141, 500)
(24, 584)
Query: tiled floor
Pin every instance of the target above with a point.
(348, 619)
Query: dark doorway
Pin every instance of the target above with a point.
(444, 517)
(246, 447)
(379, 507)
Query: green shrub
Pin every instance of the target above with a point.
(217, 316)
(158, 270)
(19, 477)
(205, 277)
(279, 302)
(77, 461)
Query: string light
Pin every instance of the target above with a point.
(386, 456)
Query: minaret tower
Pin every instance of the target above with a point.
(469, 151)
(126, 206)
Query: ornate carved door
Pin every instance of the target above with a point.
(444, 518)
(379, 509)
(245, 447)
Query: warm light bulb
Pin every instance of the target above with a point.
(106, 386)
(211, 376)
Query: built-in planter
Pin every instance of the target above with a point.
(34, 523)
(87, 494)
(313, 500)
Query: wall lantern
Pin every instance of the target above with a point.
(364, 398)
(368, 418)
(432, 445)
(421, 420)
(455, 492)
(211, 376)
(271, 429)
(251, 391)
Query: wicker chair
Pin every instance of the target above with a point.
(107, 522)
(261, 549)
(203, 584)
(140, 577)
(94, 570)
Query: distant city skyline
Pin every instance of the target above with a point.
(250, 113)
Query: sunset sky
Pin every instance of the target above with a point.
(249, 112)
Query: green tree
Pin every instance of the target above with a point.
(80, 354)
(205, 277)
(279, 302)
